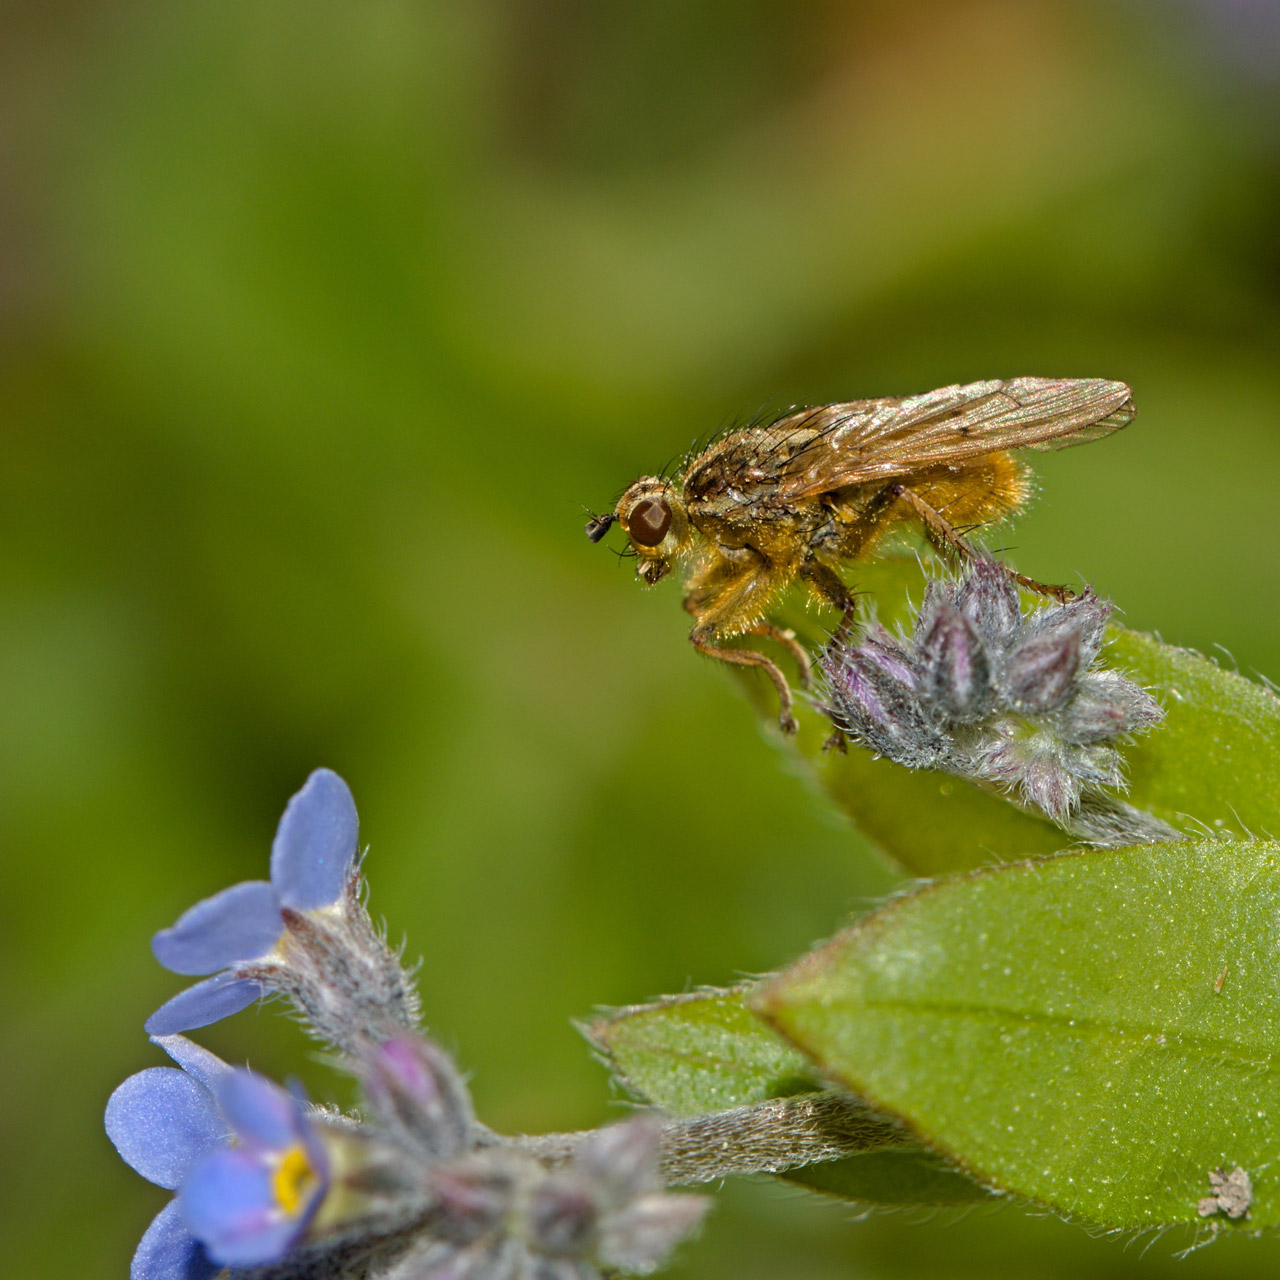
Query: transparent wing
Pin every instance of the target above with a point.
(878, 439)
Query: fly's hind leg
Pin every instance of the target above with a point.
(944, 534)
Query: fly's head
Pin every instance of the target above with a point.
(653, 516)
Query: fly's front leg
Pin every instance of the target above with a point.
(727, 599)
(945, 535)
(702, 639)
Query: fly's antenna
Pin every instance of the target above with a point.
(598, 526)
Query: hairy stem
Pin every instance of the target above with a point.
(767, 1137)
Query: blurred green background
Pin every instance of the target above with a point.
(319, 320)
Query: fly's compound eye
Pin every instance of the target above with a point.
(649, 521)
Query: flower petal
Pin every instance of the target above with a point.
(229, 1204)
(208, 1001)
(162, 1121)
(315, 844)
(240, 923)
(194, 1059)
(168, 1251)
(260, 1112)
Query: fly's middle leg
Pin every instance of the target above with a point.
(826, 582)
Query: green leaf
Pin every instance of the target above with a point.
(1214, 763)
(905, 1175)
(1216, 757)
(1096, 1031)
(928, 823)
(708, 1052)
(702, 1052)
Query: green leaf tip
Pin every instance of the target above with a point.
(701, 1052)
(1098, 1031)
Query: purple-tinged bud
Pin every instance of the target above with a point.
(988, 598)
(640, 1223)
(1047, 785)
(1106, 705)
(890, 655)
(637, 1238)
(470, 1198)
(1039, 673)
(1033, 766)
(939, 593)
(623, 1158)
(1087, 616)
(563, 1217)
(1090, 717)
(1004, 699)
(956, 671)
(879, 710)
(419, 1095)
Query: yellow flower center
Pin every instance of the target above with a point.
(294, 1180)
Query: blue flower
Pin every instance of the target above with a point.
(247, 1165)
(311, 862)
(248, 1203)
(163, 1122)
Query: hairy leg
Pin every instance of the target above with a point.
(752, 658)
(787, 639)
(827, 584)
(944, 535)
(726, 600)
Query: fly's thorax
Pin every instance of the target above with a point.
(653, 516)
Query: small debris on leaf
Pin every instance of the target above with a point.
(1232, 1194)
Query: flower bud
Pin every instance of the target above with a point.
(623, 1158)
(563, 1214)
(956, 670)
(1040, 670)
(470, 1197)
(1087, 616)
(983, 692)
(419, 1096)
(1107, 705)
(640, 1236)
(990, 600)
(878, 708)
